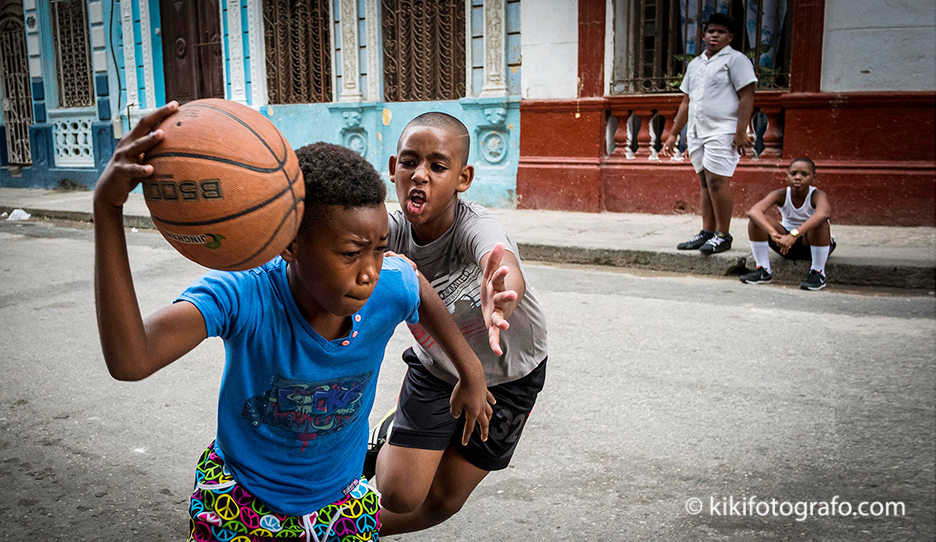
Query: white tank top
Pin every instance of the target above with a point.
(793, 218)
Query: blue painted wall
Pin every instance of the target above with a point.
(370, 127)
(43, 173)
(381, 124)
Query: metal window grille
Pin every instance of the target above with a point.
(298, 51)
(72, 53)
(668, 34)
(423, 50)
(17, 95)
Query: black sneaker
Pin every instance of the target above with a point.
(698, 240)
(758, 276)
(719, 242)
(814, 281)
(378, 437)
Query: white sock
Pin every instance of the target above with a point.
(819, 257)
(761, 252)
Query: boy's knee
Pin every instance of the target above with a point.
(752, 226)
(717, 182)
(399, 500)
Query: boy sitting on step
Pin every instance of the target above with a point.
(803, 233)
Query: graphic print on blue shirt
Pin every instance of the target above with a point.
(310, 412)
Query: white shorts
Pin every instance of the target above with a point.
(714, 153)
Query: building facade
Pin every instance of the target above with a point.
(352, 72)
(592, 83)
(849, 85)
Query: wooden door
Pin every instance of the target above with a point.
(192, 60)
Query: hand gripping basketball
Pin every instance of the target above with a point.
(226, 189)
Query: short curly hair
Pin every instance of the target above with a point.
(336, 175)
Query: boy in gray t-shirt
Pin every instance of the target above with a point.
(429, 466)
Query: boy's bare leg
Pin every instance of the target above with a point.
(721, 196)
(757, 234)
(452, 484)
(708, 213)
(404, 476)
(820, 236)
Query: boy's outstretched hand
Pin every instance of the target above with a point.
(126, 167)
(495, 297)
(472, 396)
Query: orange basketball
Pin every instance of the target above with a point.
(227, 191)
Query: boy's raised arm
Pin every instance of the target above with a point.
(470, 394)
(133, 348)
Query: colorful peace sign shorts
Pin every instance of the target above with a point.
(223, 510)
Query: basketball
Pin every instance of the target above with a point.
(226, 191)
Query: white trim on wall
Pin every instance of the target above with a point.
(495, 81)
(126, 23)
(258, 83)
(470, 91)
(350, 67)
(146, 47)
(236, 50)
(374, 73)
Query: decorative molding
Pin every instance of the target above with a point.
(126, 22)
(492, 137)
(372, 12)
(236, 51)
(74, 145)
(258, 86)
(494, 81)
(146, 46)
(350, 70)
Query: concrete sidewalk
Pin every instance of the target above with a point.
(866, 255)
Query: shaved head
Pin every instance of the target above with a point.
(448, 123)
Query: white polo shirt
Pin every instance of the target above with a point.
(712, 85)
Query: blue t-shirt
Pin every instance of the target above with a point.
(293, 409)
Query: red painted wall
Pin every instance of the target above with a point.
(874, 152)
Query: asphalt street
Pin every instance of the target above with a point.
(674, 407)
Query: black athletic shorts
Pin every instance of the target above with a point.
(423, 419)
(799, 250)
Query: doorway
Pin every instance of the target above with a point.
(193, 63)
(15, 83)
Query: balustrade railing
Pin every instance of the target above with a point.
(644, 122)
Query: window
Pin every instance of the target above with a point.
(14, 85)
(298, 51)
(72, 53)
(656, 39)
(423, 50)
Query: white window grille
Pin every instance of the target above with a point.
(73, 142)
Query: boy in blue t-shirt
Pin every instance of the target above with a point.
(304, 336)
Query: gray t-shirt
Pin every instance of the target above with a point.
(451, 264)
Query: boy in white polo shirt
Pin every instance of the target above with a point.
(718, 103)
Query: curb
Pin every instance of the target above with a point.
(850, 272)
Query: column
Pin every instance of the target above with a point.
(350, 70)
(494, 82)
